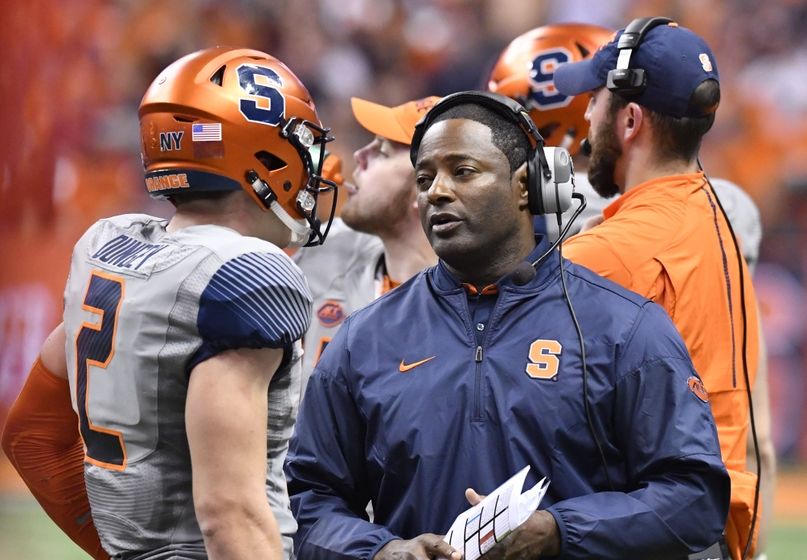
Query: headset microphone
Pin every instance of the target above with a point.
(585, 147)
(523, 273)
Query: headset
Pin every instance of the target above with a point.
(549, 187)
(623, 79)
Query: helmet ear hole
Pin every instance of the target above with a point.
(270, 161)
(584, 52)
(218, 76)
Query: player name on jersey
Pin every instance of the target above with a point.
(125, 252)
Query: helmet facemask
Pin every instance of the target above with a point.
(308, 139)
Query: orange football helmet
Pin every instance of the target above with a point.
(224, 119)
(525, 69)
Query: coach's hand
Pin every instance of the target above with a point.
(538, 536)
(425, 546)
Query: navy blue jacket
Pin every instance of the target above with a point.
(472, 416)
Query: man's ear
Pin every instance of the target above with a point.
(633, 119)
(520, 179)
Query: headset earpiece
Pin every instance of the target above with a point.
(543, 186)
(535, 201)
(623, 79)
(556, 195)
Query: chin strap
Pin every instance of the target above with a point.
(300, 232)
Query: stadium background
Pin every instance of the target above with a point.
(72, 73)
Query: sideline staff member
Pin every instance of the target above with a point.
(462, 375)
(666, 238)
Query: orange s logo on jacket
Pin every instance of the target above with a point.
(544, 359)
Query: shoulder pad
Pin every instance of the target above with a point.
(255, 300)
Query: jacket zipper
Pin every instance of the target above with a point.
(477, 414)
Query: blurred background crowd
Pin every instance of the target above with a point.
(72, 73)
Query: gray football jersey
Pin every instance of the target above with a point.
(344, 276)
(142, 308)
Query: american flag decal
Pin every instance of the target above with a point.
(206, 132)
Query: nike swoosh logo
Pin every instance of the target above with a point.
(403, 368)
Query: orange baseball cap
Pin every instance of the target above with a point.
(394, 123)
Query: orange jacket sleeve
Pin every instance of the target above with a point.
(42, 442)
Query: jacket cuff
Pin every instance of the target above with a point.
(562, 531)
(381, 545)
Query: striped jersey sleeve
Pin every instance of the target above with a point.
(256, 300)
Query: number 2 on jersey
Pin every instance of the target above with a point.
(95, 346)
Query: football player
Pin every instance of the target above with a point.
(179, 349)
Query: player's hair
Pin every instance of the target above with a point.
(505, 135)
(679, 138)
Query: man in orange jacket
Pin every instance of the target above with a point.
(655, 92)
